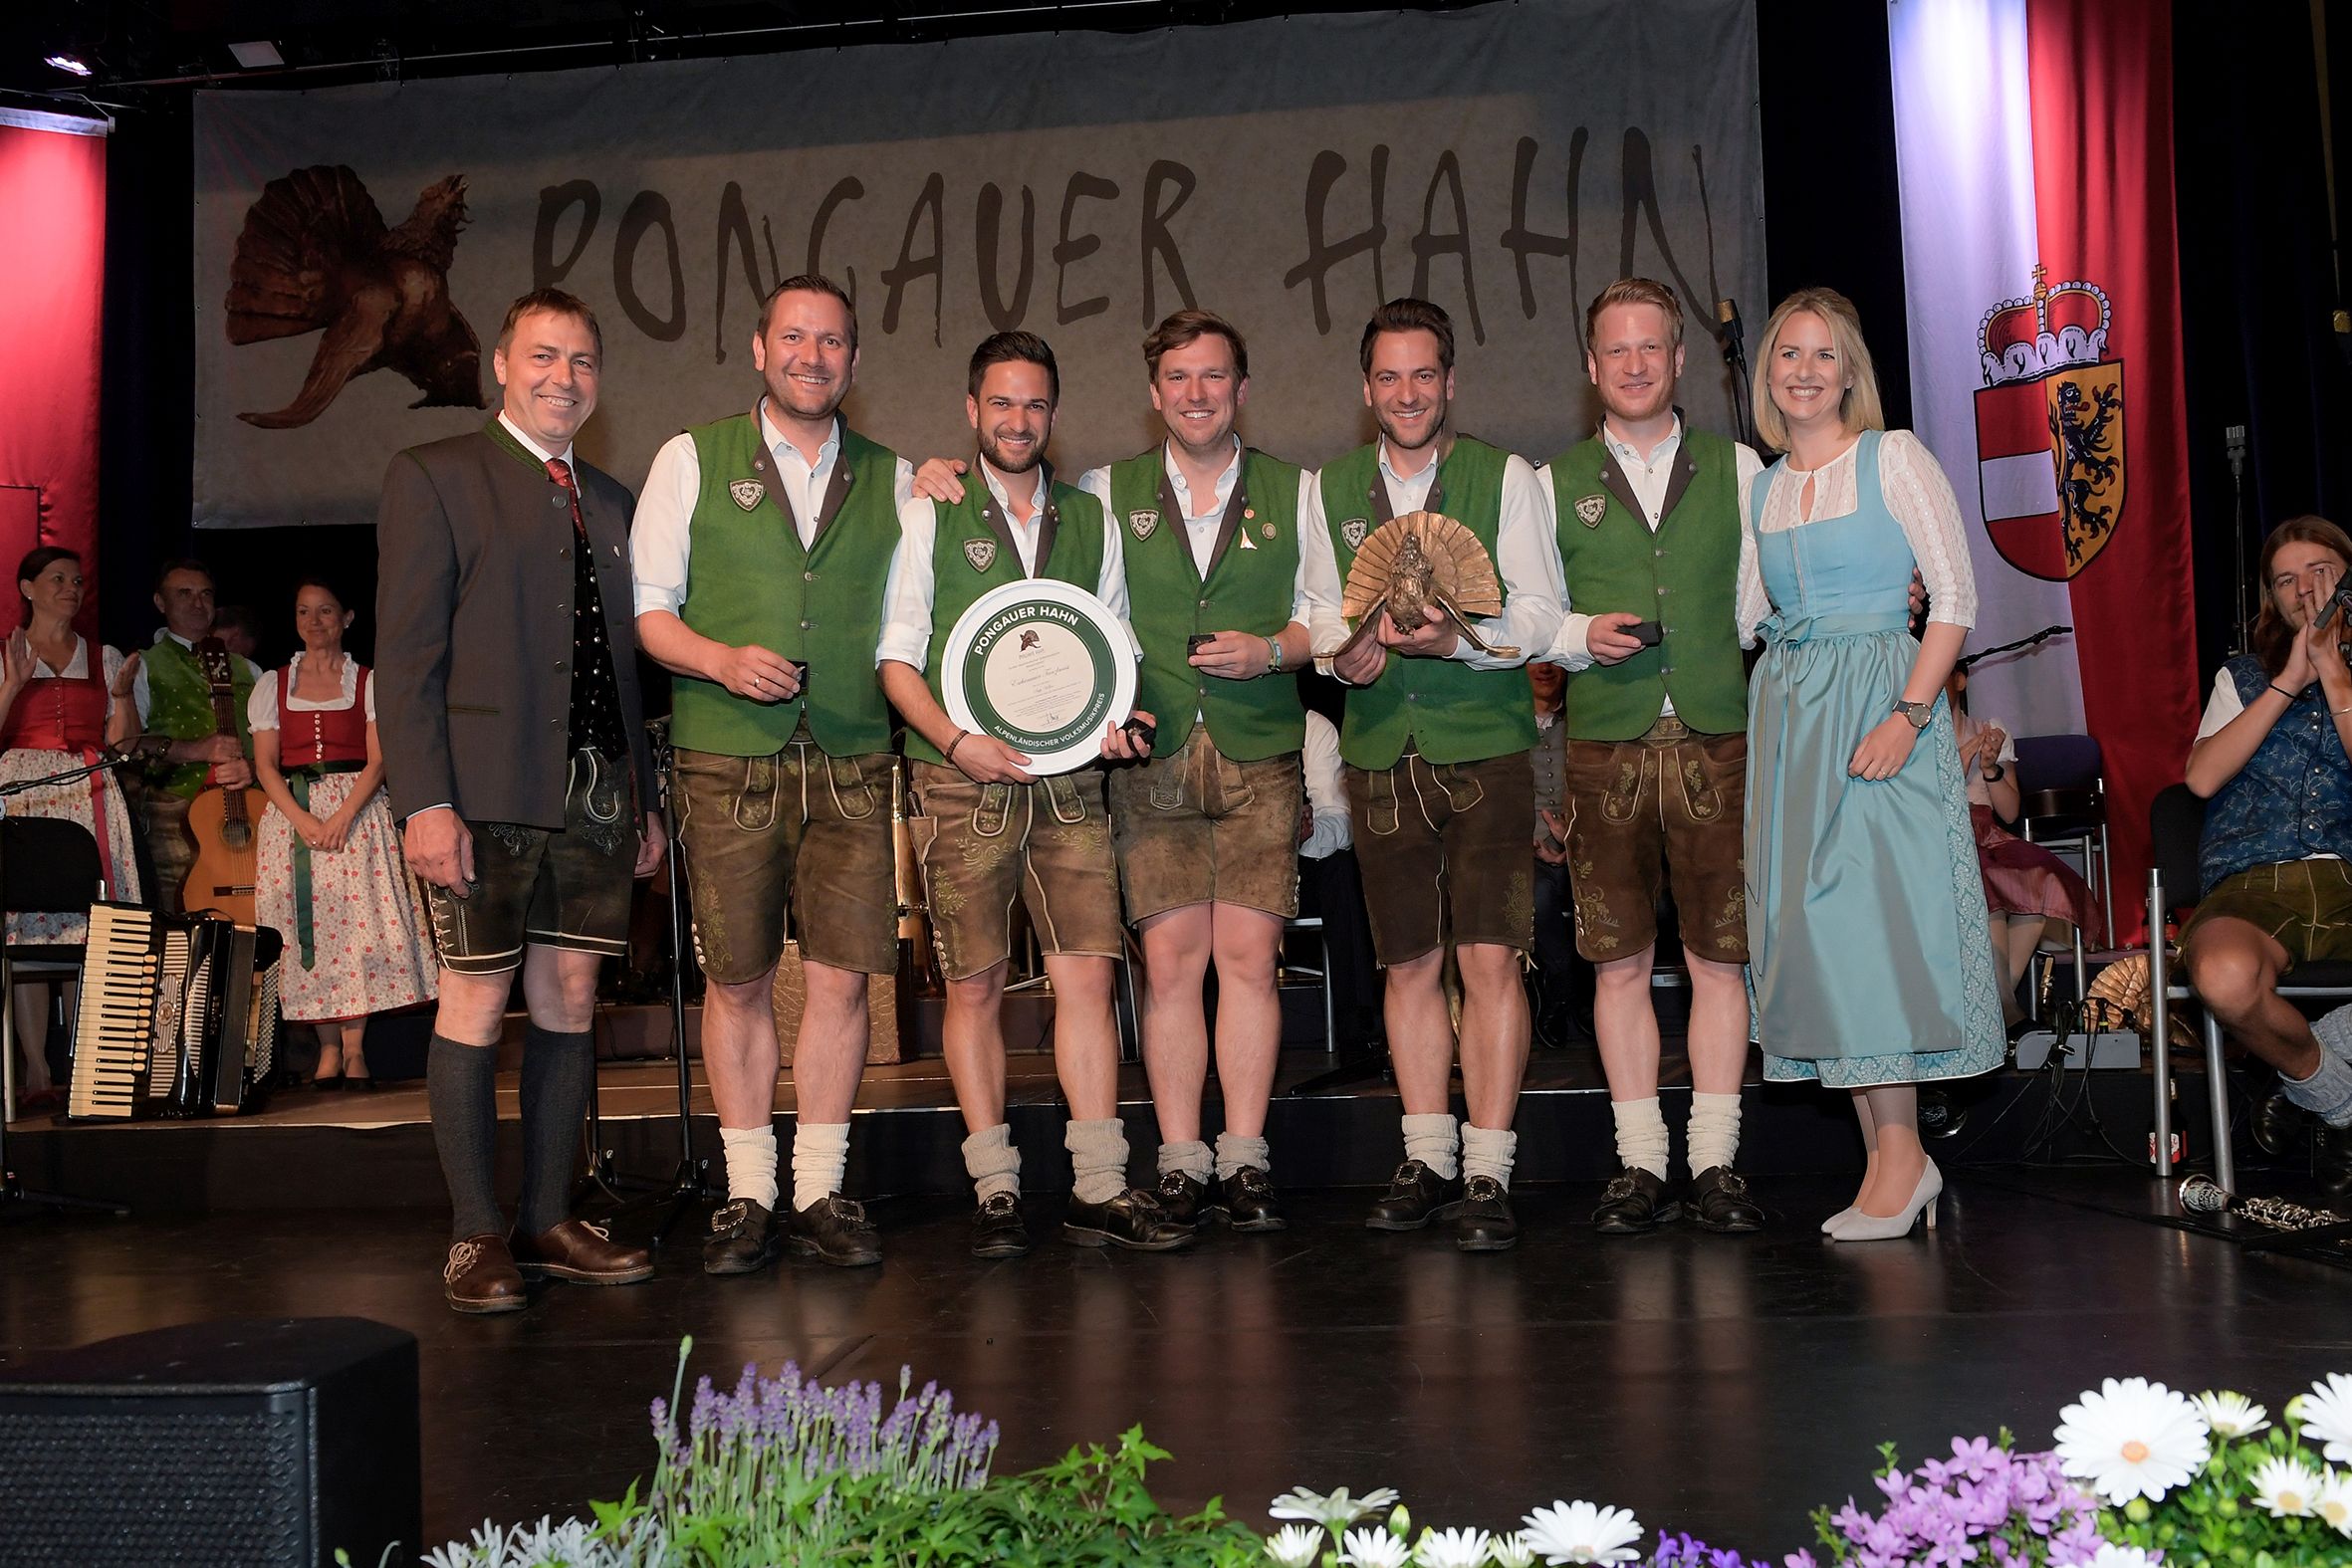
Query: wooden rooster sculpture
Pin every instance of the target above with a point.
(314, 253)
(1420, 562)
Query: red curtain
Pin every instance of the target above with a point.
(2102, 75)
(52, 208)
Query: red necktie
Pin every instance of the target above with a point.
(560, 471)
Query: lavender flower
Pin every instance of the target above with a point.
(1984, 1507)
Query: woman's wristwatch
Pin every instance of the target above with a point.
(1998, 775)
(1918, 713)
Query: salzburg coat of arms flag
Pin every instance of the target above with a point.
(2042, 282)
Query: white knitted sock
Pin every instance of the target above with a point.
(1641, 1135)
(750, 1163)
(1489, 1151)
(1713, 1132)
(821, 1154)
(1435, 1142)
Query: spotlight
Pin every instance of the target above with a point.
(258, 55)
(72, 65)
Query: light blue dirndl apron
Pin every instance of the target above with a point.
(1870, 959)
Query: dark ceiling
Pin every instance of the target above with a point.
(136, 48)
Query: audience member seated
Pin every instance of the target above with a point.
(331, 879)
(2033, 898)
(57, 713)
(2271, 760)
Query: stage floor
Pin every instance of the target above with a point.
(1721, 1385)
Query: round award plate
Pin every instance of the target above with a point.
(1042, 665)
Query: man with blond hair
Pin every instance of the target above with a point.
(1646, 515)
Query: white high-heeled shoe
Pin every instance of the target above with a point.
(1874, 1228)
(1830, 1224)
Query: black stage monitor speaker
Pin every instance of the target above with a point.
(262, 1442)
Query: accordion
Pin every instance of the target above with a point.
(178, 1016)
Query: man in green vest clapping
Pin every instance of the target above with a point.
(988, 830)
(761, 545)
(1436, 745)
(1647, 515)
(174, 698)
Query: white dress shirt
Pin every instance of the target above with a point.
(1649, 477)
(661, 535)
(1205, 515)
(1526, 558)
(1331, 831)
(910, 589)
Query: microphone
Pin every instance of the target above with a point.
(1727, 324)
(2203, 1194)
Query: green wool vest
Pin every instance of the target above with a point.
(180, 704)
(1443, 708)
(973, 553)
(1251, 587)
(1686, 576)
(748, 580)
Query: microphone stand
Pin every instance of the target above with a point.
(14, 1194)
(1729, 335)
(2234, 436)
(2041, 636)
(690, 1183)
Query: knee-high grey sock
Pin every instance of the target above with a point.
(1097, 1158)
(1193, 1159)
(1234, 1151)
(558, 1073)
(461, 1087)
(992, 1162)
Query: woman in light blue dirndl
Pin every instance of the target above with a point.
(1870, 964)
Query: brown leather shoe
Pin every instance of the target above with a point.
(481, 1276)
(581, 1252)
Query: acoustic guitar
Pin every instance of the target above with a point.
(223, 824)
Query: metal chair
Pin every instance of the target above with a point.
(1321, 973)
(48, 866)
(2176, 823)
(2064, 807)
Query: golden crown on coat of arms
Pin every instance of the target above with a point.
(2057, 327)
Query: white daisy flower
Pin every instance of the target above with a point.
(2232, 1415)
(2287, 1487)
(2114, 1556)
(2131, 1439)
(1296, 1545)
(1512, 1551)
(1336, 1511)
(1451, 1548)
(2326, 1414)
(1579, 1532)
(1374, 1548)
(2334, 1501)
